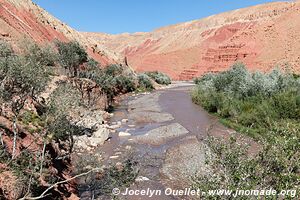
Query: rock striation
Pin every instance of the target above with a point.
(262, 37)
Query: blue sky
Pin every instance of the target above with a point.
(118, 16)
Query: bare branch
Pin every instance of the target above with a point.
(44, 194)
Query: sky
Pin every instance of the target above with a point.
(119, 16)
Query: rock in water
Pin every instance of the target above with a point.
(141, 179)
(124, 134)
(162, 134)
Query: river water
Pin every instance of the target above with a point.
(167, 132)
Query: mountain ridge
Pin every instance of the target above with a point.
(190, 49)
(25, 19)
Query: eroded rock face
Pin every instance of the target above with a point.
(261, 36)
(23, 18)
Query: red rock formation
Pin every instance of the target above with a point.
(24, 19)
(262, 37)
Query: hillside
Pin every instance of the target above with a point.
(262, 37)
(24, 19)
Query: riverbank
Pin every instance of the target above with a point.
(164, 133)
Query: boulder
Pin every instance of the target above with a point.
(162, 134)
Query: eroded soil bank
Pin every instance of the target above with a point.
(164, 132)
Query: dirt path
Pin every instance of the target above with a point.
(164, 132)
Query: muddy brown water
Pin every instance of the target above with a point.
(175, 101)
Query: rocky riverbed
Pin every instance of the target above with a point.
(164, 132)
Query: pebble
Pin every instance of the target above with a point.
(128, 147)
(114, 157)
(124, 134)
(141, 178)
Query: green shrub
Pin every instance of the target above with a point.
(111, 177)
(252, 100)
(71, 56)
(124, 84)
(145, 82)
(44, 55)
(113, 70)
(276, 166)
(21, 76)
(92, 70)
(159, 77)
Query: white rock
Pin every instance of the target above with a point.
(113, 131)
(128, 147)
(119, 123)
(96, 141)
(101, 133)
(131, 125)
(114, 126)
(114, 157)
(124, 134)
(141, 179)
(124, 120)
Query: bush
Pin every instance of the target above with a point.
(124, 84)
(21, 76)
(92, 70)
(145, 82)
(252, 100)
(113, 70)
(114, 176)
(159, 77)
(71, 56)
(276, 166)
(44, 55)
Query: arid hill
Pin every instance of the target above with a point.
(20, 19)
(262, 36)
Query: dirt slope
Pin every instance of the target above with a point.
(21, 19)
(262, 36)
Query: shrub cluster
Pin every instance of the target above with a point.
(265, 106)
(253, 100)
(159, 77)
(145, 82)
(112, 79)
(275, 167)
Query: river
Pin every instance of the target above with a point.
(167, 134)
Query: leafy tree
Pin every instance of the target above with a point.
(44, 55)
(92, 70)
(71, 56)
(21, 78)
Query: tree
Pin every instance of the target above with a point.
(44, 55)
(71, 56)
(21, 78)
